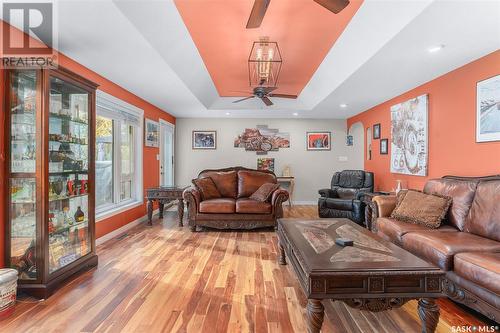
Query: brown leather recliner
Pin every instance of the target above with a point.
(466, 245)
(235, 210)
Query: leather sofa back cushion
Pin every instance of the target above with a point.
(264, 192)
(207, 188)
(462, 193)
(225, 181)
(484, 214)
(250, 181)
(421, 208)
(350, 178)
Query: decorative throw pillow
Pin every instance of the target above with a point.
(207, 188)
(264, 192)
(420, 208)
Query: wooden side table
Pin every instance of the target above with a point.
(163, 195)
(289, 186)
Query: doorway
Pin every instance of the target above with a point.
(166, 153)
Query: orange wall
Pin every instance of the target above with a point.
(150, 164)
(452, 135)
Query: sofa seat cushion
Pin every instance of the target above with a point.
(249, 181)
(339, 204)
(221, 205)
(225, 181)
(250, 206)
(393, 229)
(484, 214)
(481, 268)
(439, 247)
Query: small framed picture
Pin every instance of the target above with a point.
(376, 131)
(384, 146)
(152, 133)
(318, 141)
(204, 139)
(266, 164)
(349, 140)
(488, 110)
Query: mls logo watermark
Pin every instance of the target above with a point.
(28, 34)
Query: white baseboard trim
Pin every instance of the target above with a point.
(305, 203)
(117, 232)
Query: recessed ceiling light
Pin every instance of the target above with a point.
(435, 48)
(227, 114)
(295, 114)
(343, 105)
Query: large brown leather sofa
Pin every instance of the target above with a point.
(466, 245)
(235, 210)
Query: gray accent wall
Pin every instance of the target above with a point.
(312, 169)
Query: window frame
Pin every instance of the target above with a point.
(122, 112)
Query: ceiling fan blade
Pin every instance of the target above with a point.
(283, 96)
(266, 101)
(269, 89)
(334, 6)
(243, 99)
(257, 15)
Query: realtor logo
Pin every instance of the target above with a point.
(28, 34)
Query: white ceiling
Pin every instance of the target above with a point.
(144, 46)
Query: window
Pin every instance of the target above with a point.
(118, 155)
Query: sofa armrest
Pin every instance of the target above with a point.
(385, 205)
(193, 198)
(328, 193)
(279, 196)
(362, 191)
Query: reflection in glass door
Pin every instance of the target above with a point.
(166, 154)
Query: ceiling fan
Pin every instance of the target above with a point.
(260, 6)
(264, 93)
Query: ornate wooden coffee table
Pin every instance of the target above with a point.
(372, 275)
(163, 195)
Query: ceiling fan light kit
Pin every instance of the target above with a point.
(264, 63)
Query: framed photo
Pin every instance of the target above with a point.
(204, 140)
(266, 164)
(384, 146)
(151, 138)
(488, 110)
(349, 140)
(376, 131)
(318, 140)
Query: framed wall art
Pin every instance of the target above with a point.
(376, 131)
(488, 110)
(409, 137)
(384, 146)
(266, 164)
(151, 137)
(204, 140)
(318, 140)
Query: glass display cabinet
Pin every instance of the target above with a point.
(50, 172)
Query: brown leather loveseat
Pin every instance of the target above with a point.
(466, 245)
(235, 210)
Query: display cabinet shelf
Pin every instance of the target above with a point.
(50, 171)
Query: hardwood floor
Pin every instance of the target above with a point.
(167, 279)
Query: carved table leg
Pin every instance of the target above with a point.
(150, 212)
(315, 315)
(161, 207)
(428, 311)
(180, 211)
(281, 259)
